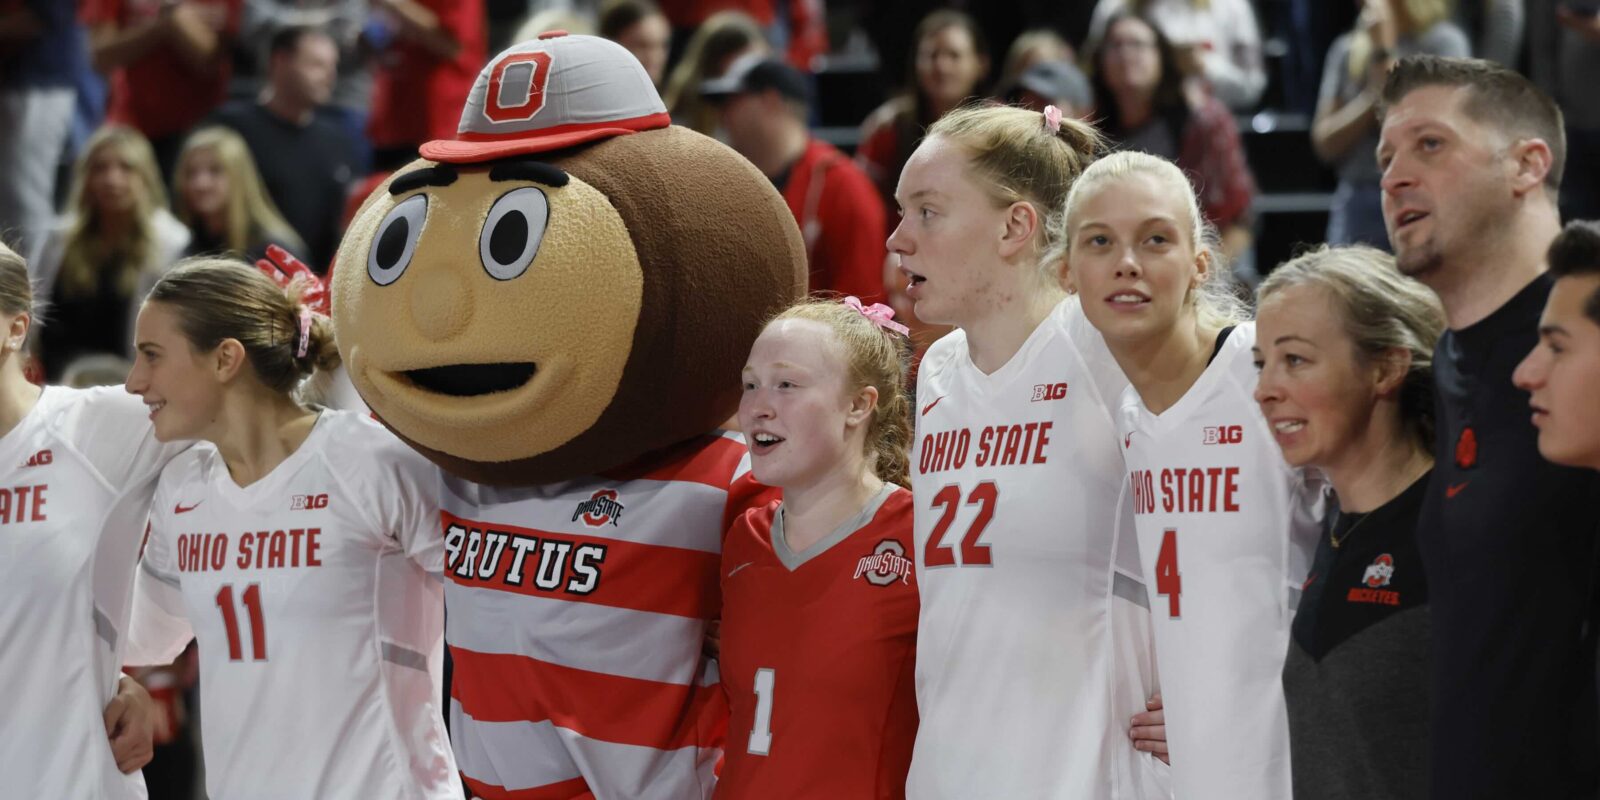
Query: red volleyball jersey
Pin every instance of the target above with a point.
(818, 656)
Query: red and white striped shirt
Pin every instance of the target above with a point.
(576, 614)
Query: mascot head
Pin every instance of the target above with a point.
(570, 284)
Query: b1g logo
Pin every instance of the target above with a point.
(308, 502)
(1049, 391)
(39, 459)
(1224, 434)
(600, 508)
(887, 562)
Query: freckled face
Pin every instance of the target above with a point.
(437, 285)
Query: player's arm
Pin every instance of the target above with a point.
(411, 505)
(159, 628)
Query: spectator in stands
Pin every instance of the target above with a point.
(796, 28)
(1033, 47)
(344, 20)
(218, 194)
(1051, 83)
(1494, 27)
(710, 52)
(38, 40)
(424, 74)
(554, 18)
(1218, 40)
(1344, 132)
(305, 160)
(764, 106)
(1564, 60)
(639, 26)
(168, 63)
(948, 66)
(114, 243)
(1143, 101)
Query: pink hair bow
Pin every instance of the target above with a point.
(880, 315)
(1052, 119)
(285, 270)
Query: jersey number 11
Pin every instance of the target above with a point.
(251, 598)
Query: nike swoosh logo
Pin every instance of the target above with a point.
(741, 566)
(1451, 491)
(929, 407)
(182, 509)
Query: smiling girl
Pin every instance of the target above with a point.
(299, 546)
(1223, 523)
(819, 616)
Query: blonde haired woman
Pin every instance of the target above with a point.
(1033, 636)
(1346, 348)
(217, 192)
(115, 241)
(1225, 527)
(1344, 132)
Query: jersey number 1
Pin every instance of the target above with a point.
(938, 554)
(251, 598)
(1169, 582)
(761, 727)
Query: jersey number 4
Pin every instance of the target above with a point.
(251, 598)
(1169, 582)
(938, 554)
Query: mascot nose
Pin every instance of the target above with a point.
(441, 304)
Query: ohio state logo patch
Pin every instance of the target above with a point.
(887, 562)
(1467, 449)
(1379, 571)
(600, 508)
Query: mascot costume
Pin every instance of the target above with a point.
(554, 307)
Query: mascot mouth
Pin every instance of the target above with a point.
(472, 380)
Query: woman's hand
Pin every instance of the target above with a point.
(131, 719)
(1149, 731)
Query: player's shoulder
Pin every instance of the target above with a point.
(1237, 358)
(109, 405)
(346, 435)
(898, 506)
(754, 524)
(190, 468)
(942, 356)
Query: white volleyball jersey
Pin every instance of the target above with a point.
(1226, 534)
(316, 599)
(74, 457)
(1033, 648)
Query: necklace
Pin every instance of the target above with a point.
(1338, 540)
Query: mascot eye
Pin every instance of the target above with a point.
(513, 231)
(396, 241)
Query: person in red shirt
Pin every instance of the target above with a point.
(167, 61)
(423, 77)
(819, 597)
(764, 104)
(800, 34)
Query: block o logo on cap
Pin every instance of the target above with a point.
(524, 76)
